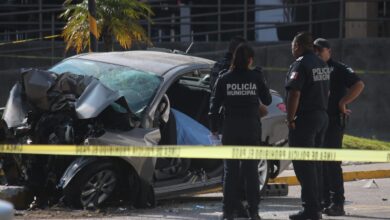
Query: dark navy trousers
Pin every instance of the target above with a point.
(309, 132)
(241, 131)
(333, 184)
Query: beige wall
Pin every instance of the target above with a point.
(361, 10)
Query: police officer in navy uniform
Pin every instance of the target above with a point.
(345, 86)
(307, 88)
(221, 67)
(239, 91)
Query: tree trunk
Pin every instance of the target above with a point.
(107, 40)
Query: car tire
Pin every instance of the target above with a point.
(263, 169)
(93, 186)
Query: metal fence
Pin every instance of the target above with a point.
(209, 22)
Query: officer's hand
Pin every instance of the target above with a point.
(291, 125)
(215, 133)
(343, 108)
(215, 138)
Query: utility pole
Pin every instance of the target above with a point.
(93, 46)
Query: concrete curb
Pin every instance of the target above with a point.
(348, 176)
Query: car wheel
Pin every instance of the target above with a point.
(263, 169)
(93, 186)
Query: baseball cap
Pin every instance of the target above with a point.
(321, 43)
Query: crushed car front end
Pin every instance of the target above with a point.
(52, 108)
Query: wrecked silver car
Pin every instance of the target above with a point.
(136, 98)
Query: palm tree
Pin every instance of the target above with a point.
(114, 18)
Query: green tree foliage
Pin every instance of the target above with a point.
(117, 19)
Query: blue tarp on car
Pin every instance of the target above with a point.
(189, 131)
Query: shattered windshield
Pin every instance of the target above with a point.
(138, 87)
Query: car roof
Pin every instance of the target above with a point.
(151, 61)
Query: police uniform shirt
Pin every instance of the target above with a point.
(239, 93)
(310, 75)
(341, 78)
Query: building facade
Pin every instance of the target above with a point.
(218, 20)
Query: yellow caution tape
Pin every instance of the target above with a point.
(32, 57)
(93, 30)
(208, 152)
(31, 39)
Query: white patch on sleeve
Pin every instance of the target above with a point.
(294, 75)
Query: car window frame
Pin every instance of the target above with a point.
(168, 79)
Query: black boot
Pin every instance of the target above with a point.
(335, 210)
(325, 204)
(241, 210)
(227, 216)
(254, 216)
(304, 215)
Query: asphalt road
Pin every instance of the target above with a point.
(365, 200)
